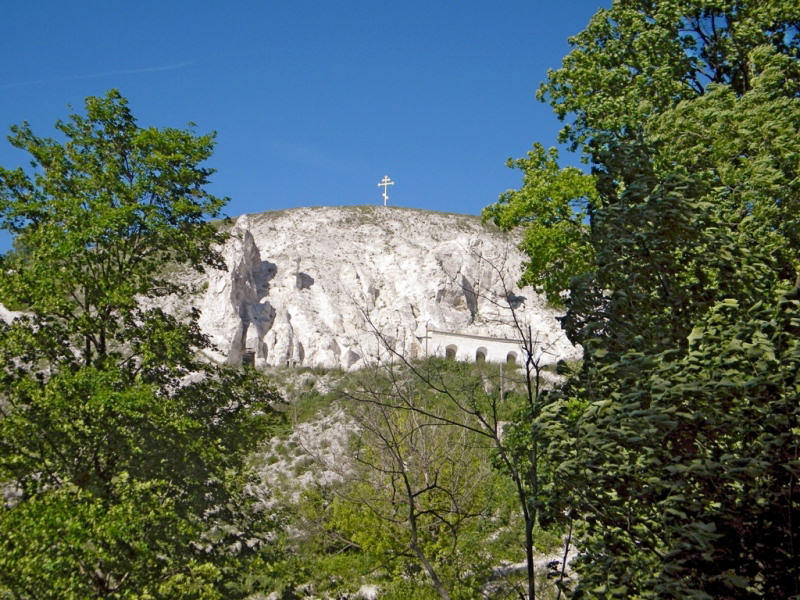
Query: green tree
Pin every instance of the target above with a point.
(496, 407)
(417, 494)
(551, 205)
(640, 58)
(120, 447)
(677, 442)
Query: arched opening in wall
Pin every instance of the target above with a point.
(511, 358)
(480, 355)
(450, 352)
(249, 358)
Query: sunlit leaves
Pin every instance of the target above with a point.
(122, 447)
(677, 442)
(552, 206)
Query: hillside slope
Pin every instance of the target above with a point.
(313, 286)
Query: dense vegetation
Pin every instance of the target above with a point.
(669, 457)
(121, 449)
(390, 479)
(128, 462)
(677, 444)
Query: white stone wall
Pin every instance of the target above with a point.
(468, 346)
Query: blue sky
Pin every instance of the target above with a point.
(313, 101)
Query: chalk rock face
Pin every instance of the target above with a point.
(7, 315)
(315, 286)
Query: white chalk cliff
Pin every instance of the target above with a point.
(312, 286)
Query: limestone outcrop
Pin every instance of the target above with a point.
(7, 315)
(315, 286)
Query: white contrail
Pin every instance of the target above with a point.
(171, 67)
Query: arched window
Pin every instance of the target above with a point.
(450, 352)
(511, 358)
(480, 355)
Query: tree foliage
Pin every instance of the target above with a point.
(640, 58)
(427, 488)
(493, 408)
(424, 504)
(551, 204)
(421, 493)
(120, 447)
(677, 443)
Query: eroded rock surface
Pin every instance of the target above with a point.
(313, 286)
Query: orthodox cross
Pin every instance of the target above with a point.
(385, 182)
